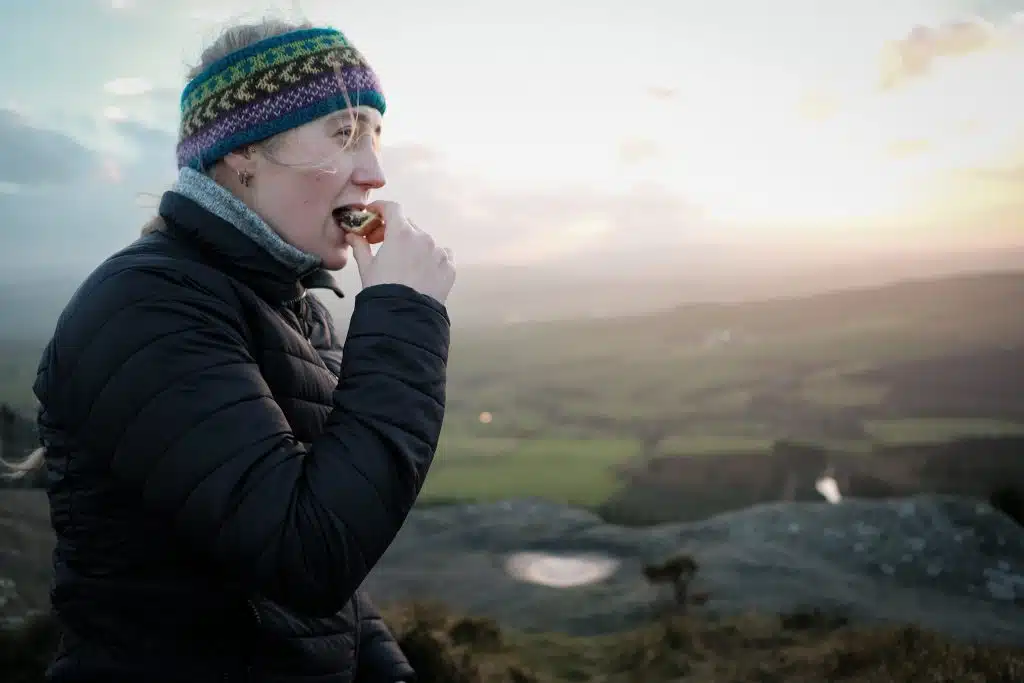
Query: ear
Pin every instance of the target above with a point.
(240, 160)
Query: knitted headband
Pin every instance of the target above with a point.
(269, 87)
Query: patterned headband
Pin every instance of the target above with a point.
(269, 87)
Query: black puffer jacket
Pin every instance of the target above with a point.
(221, 481)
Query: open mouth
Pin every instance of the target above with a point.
(353, 218)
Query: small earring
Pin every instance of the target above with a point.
(245, 178)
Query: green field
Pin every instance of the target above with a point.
(583, 472)
(572, 403)
(665, 385)
(576, 471)
(921, 431)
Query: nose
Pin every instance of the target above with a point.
(368, 173)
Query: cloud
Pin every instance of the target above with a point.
(114, 113)
(914, 55)
(488, 224)
(1011, 175)
(946, 112)
(34, 156)
(157, 107)
(902, 149)
(71, 227)
(660, 92)
(114, 193)
(635, 151)
(592, 229)
(150, 143)
(817, 105)
(127, 87)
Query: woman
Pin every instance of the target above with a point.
(221, 480)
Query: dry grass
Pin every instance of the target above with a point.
(797, 648)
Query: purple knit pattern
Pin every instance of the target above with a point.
(353, 80)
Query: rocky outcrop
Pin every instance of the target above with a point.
(948, 564)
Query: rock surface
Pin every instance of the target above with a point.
(949, 564)
(953, 565)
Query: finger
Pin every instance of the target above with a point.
(393, 217)
(415, 227)
(361, 252)
(376, 233)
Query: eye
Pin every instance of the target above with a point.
(346, 133)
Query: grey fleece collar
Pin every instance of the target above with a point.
(206, 192)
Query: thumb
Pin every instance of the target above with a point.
(361, 252)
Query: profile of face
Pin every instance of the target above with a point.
(301, 176)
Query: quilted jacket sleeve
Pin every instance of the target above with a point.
(154, 377)
(381, 660)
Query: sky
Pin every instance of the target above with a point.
(529, 132)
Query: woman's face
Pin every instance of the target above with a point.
(308, 172)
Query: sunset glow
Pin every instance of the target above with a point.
(872, 123)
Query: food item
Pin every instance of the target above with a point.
(357, 220)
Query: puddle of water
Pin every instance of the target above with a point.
(829, 489)
(560, 571)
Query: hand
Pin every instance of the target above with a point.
(407, 256)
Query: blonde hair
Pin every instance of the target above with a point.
(237, 36)
(154, 224)
(17, 470)
(231, 39)
(242, 35)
